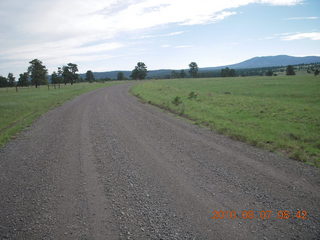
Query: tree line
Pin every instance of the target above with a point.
(37, 74)
(66, 74)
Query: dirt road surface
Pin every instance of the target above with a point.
(106, 166)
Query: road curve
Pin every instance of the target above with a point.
(106, 166)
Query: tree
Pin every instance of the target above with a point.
(60, 77)
(193, 69)
(38, 72)
(23, 80)
(73, 69)
(89, 76)
(139, 71)
(232, 73)
(69, 73)
(66, 75)
(3, 82)
(314, 68)
(54, 78)
(224, 72)
(11, 79)
(120, 76)
(269, 73)
(227, 72)
(174, 74)
(182, 74)
(290, 70)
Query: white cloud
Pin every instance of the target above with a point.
(174, 33)
(202, 19)
(66, 49)
(299, 36)
(284, 34)
(183, 46)
(277, 36)
(56, 29)
(160, 35)
(281, 2)
(111, 17)
(302, 18)
(178, 46)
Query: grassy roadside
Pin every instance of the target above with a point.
(19, 109)
(276, 113)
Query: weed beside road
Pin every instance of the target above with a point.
(276, 113)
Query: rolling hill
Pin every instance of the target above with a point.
(270, 61)
(256, 62)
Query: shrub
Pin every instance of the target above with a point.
(193, 95)
(176, 101)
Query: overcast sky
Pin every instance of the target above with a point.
(104, 35)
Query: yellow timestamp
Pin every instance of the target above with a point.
(264, 214)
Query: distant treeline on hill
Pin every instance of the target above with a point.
(312, 68)
(37, 74)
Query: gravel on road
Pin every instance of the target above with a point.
(107, 166)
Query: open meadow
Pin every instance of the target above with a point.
(20, 109)
(276, 113)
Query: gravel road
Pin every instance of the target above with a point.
(106, 166)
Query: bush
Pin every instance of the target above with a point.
(177, 100)
(193, 95)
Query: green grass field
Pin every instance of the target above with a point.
(19, 109)
(276, 113)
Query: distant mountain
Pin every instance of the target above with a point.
(256, 62)
(270, 61)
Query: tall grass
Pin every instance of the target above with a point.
(276, 113)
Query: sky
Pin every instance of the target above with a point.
(106, 35)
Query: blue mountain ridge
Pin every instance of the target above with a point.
(256, 62)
